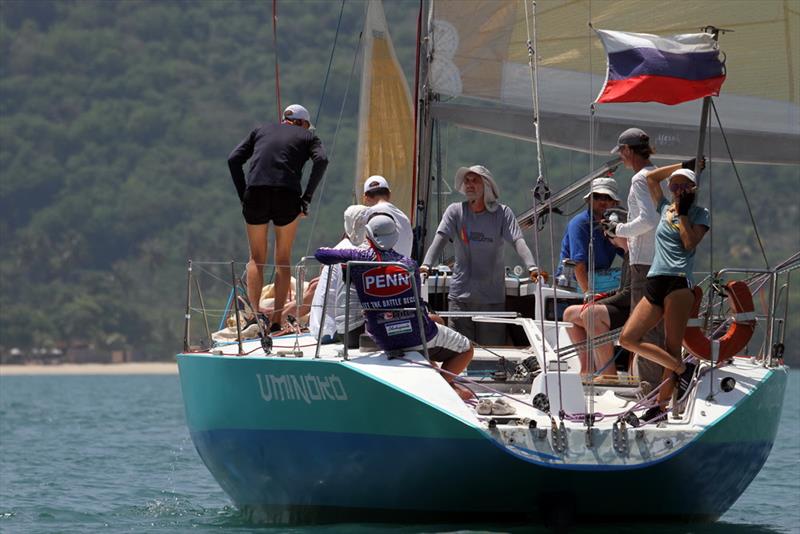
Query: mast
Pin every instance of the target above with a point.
(424, 132)
(701, 139)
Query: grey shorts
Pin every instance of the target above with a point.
(446, 344)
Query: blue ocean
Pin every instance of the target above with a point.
(112, 454)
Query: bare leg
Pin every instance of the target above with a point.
(577, 333)
(597, 316)
(456, 365)
(677, 307)
(284, 239)
(257, 235)
(644, 317)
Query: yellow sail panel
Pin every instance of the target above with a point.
(386, 121)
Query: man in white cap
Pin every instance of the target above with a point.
(383, 290)
(634, 148)
(575, 244)
(272, 192)
(333, 323)
(478, 227)
(377, 197)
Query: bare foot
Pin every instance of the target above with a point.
(464, 392)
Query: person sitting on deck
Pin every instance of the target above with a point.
(478, 227)
(332, 325)
(575, 244)
(377, 197)
(607, 313)
(382, 290)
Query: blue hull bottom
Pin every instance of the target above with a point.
(308, 477)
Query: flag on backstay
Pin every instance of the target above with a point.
(669, 70)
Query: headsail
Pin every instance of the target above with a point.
(385, 118)
(480, 57)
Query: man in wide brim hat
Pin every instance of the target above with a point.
(478, 227)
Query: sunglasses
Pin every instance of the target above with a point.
(603, 198)
(679, 188)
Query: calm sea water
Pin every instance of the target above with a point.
(112, 454)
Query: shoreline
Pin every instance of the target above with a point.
(130, 368)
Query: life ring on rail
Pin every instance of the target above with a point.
(739, 332)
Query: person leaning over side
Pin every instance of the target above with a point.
(271, 192)
(333, 324)
(384, 289)
(478, 227)
(575, 243)
(667, 292)
(377, 197)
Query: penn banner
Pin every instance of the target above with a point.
(670, 70)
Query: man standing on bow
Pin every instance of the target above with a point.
(478, 227)
(377, 197)
(272, 191)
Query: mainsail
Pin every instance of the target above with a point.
(480, 61)
(386, 122)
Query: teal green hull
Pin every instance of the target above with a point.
(321, 441)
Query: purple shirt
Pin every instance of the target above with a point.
(384, 287)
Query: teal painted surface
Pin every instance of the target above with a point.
(308, 395)
(754, 418)
(113, 454)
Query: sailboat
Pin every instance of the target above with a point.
(307, 432)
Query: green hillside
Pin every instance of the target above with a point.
(116, 121)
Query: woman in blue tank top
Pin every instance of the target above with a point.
(667, 293)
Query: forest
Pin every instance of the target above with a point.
(116, 120)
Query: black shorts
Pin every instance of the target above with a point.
(265, 203)
(657, 288)
(617, 315)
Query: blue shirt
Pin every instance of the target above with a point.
(575, 245)
(671, 258)
(385, 288)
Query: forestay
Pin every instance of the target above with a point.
(480, 58)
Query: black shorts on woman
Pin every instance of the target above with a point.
(264, 203)
(658, 287)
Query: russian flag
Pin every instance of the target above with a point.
(670, 70)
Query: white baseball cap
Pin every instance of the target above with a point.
(295, 112)
(688, 173)
(375, 182)
(382, 230)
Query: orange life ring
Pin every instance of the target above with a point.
(738, 334)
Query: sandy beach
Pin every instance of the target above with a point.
(133, 368)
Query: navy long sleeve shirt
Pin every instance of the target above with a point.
(277, 154)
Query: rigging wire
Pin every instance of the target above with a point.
(741, 187)
(330, 62)
(590, 271)
(534, 100)
(277, 65)
(336, 131)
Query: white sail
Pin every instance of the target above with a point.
(481, 61)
